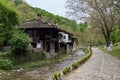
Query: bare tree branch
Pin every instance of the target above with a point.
(101, 13)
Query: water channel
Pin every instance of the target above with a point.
(45, 72)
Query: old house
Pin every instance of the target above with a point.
(48, 38)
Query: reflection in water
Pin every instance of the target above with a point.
(45, 72)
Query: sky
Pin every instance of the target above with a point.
(56, 7)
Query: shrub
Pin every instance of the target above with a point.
(59, 74)
(82, 60)
(75, 65)
(5, 64)
(19, 48)
(86, 51)
(56, 76)
(19, 44)
(66, 70)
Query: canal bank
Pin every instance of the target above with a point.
(44, 72)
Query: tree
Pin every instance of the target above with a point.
(8, 20)
(17, 2)
(117, 11)
(82, 27)
(19, 44)
(100, 14)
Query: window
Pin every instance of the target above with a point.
(29, 32)
(35, 33)
(63, 37)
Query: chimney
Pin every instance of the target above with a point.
(38, 16)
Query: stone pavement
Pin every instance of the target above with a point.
(101, 66)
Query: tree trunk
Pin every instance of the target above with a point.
(107, 40)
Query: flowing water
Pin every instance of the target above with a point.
(45, 72)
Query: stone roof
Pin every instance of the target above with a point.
(38, 23)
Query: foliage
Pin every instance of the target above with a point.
(8, 20)
(82, 27)
(19, 44)
(92, 35)
(80, 30)
(63, 23)
(56, 76)
(74, 65)
(98, 13)
(17, 2)
(5, 64)
(1, 41)
(83, 59)
(26, 13)
(115, 36)
(116, 51)
(86, 51)
(9, 16)
(66, 70)
(36, 56)
(37, 63)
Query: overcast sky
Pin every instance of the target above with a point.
(56, 7)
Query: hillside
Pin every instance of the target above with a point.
(62, 22)
(27, 12)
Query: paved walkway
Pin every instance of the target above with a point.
(101, 66)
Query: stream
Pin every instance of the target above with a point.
(44, 72)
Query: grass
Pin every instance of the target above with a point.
(115, 51)
(32, 63)
(28, 65)
(2, 71)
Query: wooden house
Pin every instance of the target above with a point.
(48, 38)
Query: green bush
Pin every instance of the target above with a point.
(115, 36)
(56, 76)
(5, 64)
(82, 60)
(75, 65)
(19, 52)
(66, 70)
(19, 44)
(86, 51)
(59, 74)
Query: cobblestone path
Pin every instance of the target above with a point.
(101, 66)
